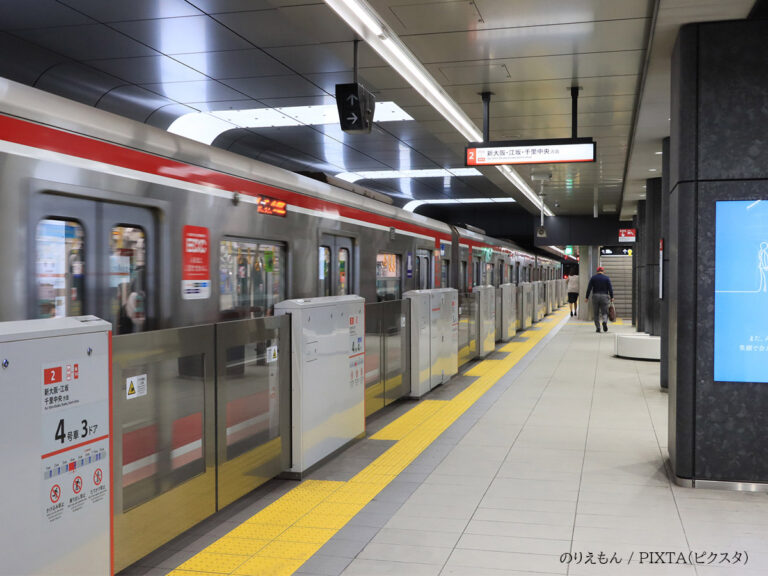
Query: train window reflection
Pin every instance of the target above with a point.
(60, 268)
(252, 278)
(387, 277)
(343, 272)
(324, 268)
(127, 278)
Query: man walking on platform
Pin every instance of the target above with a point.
(603, 296)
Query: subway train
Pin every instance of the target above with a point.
(186, 249)
(106, 216)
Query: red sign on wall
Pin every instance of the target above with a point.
(627, 234)
(195, 268)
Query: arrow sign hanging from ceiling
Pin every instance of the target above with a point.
(356, 106)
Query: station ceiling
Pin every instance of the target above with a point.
(158, 60)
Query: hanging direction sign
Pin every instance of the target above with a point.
(530, 152)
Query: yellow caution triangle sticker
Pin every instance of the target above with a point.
(131, 389)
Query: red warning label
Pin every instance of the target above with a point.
(77, 485)
(98, 476)
(55, 493)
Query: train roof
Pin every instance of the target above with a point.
(40, 107)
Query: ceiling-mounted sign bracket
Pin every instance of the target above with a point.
(486, 96)
(574, 111)
(355, 104)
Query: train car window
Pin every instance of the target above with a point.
(324, 268)
(127, 279)
(463, 277)
(252, 278)
(445, 273)
(500, 280)
(387, 277)
(60, 268)
(342, 272)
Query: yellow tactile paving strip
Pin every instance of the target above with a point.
(288, 532)
(618, 322)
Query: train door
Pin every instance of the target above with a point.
(463, 276)
(336, 265)
(94, 258)
(478, 267)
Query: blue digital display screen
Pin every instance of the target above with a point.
(741, 291)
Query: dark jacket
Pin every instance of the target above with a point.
(600, 283)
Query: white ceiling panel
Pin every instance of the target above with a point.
(565, 67)
(447, 15)
(274, 87)
(148, 69)
(541, 90)
(221, 65)
(182, 35)
(309, 25)
(525, 42)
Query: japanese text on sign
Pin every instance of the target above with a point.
(543, 153)
(195, 271)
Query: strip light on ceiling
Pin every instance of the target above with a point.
(388, 174)
(413, 204)
(366, 23)
(207, 126)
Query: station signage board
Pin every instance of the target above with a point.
(615, 251)
(356, 106)
(559, 150)
(627, 234)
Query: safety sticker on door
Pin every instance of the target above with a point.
(136, 386)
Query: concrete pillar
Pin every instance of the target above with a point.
(651, 252)
(718, 204)
(664, 265)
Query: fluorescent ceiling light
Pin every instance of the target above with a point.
(360, 19)
(369, 26)
(386, 174)
(566, 256)
(413, 204)
(207, 126)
